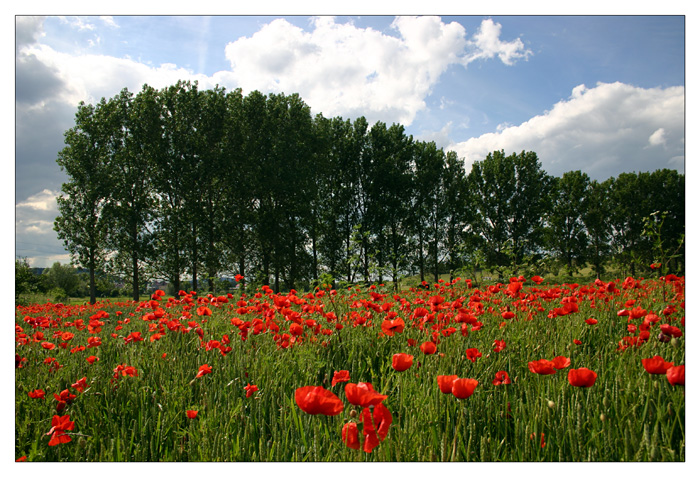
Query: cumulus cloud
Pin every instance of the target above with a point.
(487, 44)
(109, 21)
(340, 69)
(34, 234)
(599, 130)
(658, 138)
(43, 201)
(28, 29)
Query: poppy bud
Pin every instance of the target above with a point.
(602, 417)
(674, 342)
(551, 404)
(353, 413)
(606, 401)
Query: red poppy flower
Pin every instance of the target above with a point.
(507, 315)
(582, 377)
(64, 396)
(401, 361)
(203, 369)
(389, 327)
(59, 425)
(591, 321)
(316, 400)
(37, 394)
(472, 354)
(499, 345)
(92, 359)
(501, 378)
(340, 377)
(125, 370)
(295, 329)
(382, 420)
(676, 375)
(47, 345)
(445, 383)
(578, 342)
(656, 365)
(192, 414)
(80, 384)
(369, 431)
(428, 347)
(250, 389)
(537, 279)
(133, 336)
(350, 435)
(363, 394)
(665, 329)
(94, 341)
(542, 366)
(462, 388)
(560, 362)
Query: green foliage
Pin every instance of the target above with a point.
(63, 277)
(183, 183)
(628, 415)
(25, 280)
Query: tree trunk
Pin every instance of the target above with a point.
(421, 260)
(134, 263)
(135, 276)
(93, 299)
(241, 271)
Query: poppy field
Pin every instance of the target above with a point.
(522, 371)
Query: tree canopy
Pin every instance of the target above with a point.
(188, 184)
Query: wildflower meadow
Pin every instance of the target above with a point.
(522, 371)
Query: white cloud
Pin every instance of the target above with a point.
(340, 69)
(90, 77)
(35, 237)
(43, 201)
(109, 21)
(600, 131)
(487, 44)
(658, 138)
(28, 29)
(441, 137)
(79, 23)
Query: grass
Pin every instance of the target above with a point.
(627, 415)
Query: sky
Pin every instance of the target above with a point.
(604, 94)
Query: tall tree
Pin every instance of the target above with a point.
(566, 230)
(596, 218)
(387, 208)
(509, 196)
(135, 131)
(237, 197)
(630, 201)
(82, 225)
(457, 213)
(428, 204)
(174, 175)
(210, 182)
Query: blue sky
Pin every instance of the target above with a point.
(603, 94)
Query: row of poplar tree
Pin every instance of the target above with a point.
(182, 182)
